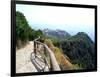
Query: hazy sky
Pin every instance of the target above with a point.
(72, 20)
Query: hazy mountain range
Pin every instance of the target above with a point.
(60, 34)
(79, 48)
(56, 33)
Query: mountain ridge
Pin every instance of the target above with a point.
(56, 33)
(80, 49)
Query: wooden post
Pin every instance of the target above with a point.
(35, 48)
(45, 53)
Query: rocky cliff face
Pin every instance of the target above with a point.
(56, 33)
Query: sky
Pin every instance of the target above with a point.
(72, 20)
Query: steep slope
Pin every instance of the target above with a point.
(63, 62)
(81, 50)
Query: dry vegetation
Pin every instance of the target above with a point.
(62, 61)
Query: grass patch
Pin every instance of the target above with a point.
(61, 59)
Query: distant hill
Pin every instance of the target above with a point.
(80, 49)
(56, 33)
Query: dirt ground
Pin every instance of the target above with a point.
(23, 63)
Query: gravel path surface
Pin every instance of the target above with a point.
(23, 63)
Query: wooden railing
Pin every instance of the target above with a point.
(47, 55)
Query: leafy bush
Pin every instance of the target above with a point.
(24, 32)
(80, 49)
(77, 66)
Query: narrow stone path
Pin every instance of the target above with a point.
(27, 61)
(23, 63)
